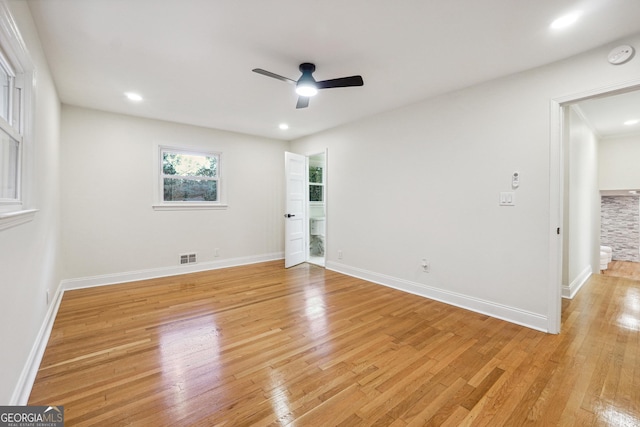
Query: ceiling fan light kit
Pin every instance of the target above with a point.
(307, 86)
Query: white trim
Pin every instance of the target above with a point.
(23, 388)
(324, 202)
(556, 215)
(186, 206)
(615, 89)
(10, 130)
(11, 33)
(11, 219)
(556, 191)
(586, 122)
(153, 273)
(27, 377)
(15, 50)
(570, 291)
(499, 311)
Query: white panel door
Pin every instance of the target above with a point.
(295, 243)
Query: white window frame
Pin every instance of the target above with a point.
(12, 125)
(16, 59)
(162, 205)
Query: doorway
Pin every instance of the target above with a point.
(601, 185)
(568, 201)
(317, 208)
(306, 208)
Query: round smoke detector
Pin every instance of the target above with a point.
(621, 54)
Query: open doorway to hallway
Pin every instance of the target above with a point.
(602, 188)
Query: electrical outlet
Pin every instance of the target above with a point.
(426, 267)
(47, 296)
(216, 252)
(340, 254)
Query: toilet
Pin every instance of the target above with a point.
(605, 257)
(317, 227)
(316, 232)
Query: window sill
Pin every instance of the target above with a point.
(189, 206)
(11, 219)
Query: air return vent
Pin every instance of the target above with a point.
(188, 258)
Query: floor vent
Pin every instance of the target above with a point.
(188, 258)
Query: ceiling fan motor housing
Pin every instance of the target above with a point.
(307, 67)
(307, 86)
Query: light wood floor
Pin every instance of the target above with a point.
(261, 345)
(627, 269)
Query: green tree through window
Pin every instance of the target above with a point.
(315, 184)
(190, 177)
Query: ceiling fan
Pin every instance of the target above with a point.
(307, 86)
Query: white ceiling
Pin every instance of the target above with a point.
(192, 59)
(607, 115)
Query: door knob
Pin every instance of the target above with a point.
(289, 215)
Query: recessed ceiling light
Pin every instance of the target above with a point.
(283, 126)
(132, 96)
(632, 122)
(566, 20)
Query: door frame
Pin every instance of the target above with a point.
(557, 165)
(325, 179)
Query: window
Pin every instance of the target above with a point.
(10, 135)
(17, 80)
(189, 178)
(316, 184)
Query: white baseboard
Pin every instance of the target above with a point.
(27, 377)
(499, 311)
(133, 276)
(30, 370)
(570, 291)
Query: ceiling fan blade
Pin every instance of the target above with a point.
(303, 102)
(341, 82)
(273, 75)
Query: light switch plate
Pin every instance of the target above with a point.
(507, 198)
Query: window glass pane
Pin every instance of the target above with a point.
(8, 166)
(16, 116)
(189, 164)
(315, 193)
(315, 174)
(190, 190)
(5, 82)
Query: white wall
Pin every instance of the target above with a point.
(423, 182)
(619, 163)
(582, 230)
(30, 253)
(108, 188)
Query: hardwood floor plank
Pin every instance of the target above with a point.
(423, 417)
(448, 409)
(456, 417)
(337, 409)
(524, 413)
(261, 345)
(478, 393)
